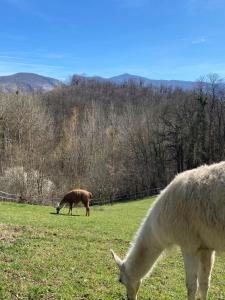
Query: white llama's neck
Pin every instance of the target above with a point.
(143, 254)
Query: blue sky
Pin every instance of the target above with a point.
(167, 39)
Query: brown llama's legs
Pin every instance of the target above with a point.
(87, 210)
(70, 210)
(204, 272)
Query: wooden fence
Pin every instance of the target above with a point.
(127, 196)
(53, 200)
(8, 197)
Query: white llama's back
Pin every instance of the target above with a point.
(190, 212)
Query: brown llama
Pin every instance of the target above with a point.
(74, 197)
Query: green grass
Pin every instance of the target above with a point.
(48, 256)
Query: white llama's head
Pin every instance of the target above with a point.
(131, 284)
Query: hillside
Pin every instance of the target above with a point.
(49, 256)
(27, 82)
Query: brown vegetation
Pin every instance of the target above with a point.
(108, 138)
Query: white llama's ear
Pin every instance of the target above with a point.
(117, 259)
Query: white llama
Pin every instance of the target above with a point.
(190, 213)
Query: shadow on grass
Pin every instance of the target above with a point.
(54, 213)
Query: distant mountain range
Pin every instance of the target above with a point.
(186, 85)
(126, 78)
(30, 82)
(27, 82)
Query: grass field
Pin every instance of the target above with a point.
(48, 256)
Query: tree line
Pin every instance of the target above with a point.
(107, 138)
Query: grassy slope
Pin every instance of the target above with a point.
(45, 256)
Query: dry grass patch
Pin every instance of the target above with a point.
(9, 233)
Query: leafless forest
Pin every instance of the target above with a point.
(109, 139)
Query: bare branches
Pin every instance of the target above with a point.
(112, 139)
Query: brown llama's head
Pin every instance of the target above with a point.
(58, 209)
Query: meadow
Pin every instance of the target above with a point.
(49, 256)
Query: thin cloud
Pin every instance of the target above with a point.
(208, 5)
(35, 65)
(18, 3)
(200, 68)
(33, 55)
(9, 57)
(7, 68)
(53, 55)
(12, 62)
(132, 3)
(30, 65)
(200, 40)
(29, 8)
(14, 37)
(194, 41)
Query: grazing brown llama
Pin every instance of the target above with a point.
(190, 213)
(74, 197)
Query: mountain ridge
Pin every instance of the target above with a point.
(31, 82)
(144, 81)
(28, 82)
